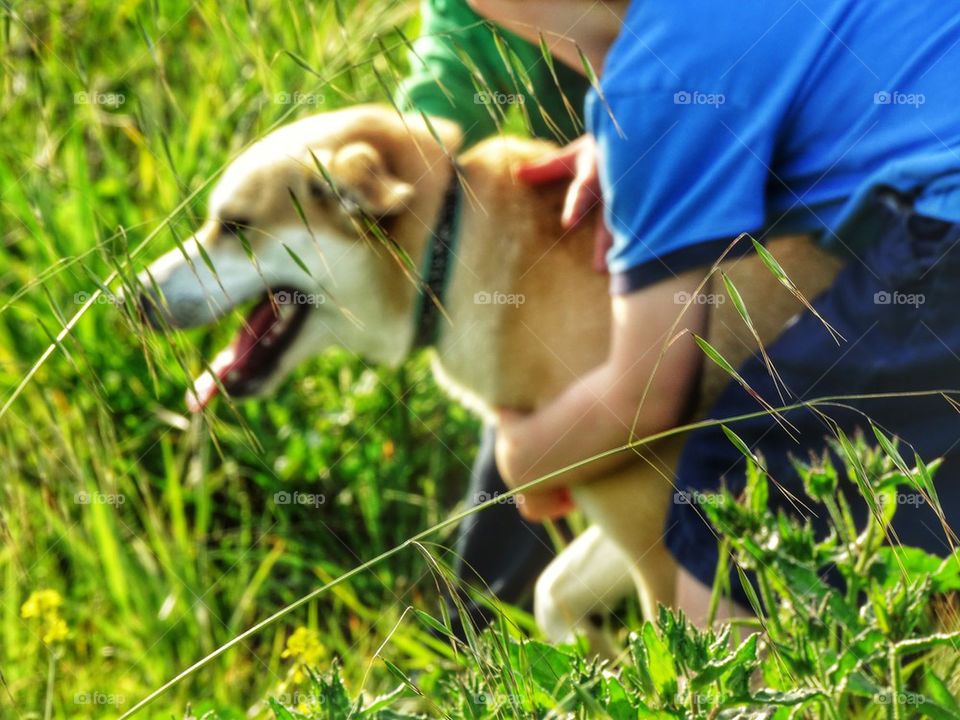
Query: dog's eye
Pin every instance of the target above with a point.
(320, 190)
(234, 226)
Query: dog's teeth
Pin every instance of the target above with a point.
(287, 312)
(233, 376)
(268, 340)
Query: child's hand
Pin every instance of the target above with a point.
(513, 446)
(513, 463)
(546, 505)
(577, 164)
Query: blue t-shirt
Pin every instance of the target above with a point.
(770, 117)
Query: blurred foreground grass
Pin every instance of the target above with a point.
(163, 534)
(135, 539)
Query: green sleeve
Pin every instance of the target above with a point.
(440, 83)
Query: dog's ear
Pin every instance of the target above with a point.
(362, 177)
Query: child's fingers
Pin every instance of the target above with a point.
(602, 242)
(548, 505)
(506, 416)
(557, 167)
(583, 194)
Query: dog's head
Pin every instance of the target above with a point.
(309, 226)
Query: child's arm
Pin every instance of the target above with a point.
(597, 412)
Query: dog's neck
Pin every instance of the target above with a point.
(513, 271)
(438, 258)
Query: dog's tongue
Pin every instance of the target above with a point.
(205, 386)
(233, 364)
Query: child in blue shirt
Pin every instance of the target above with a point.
(719, 117)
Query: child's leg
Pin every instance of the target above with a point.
(895, 309)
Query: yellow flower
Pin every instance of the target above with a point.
(43, 606)
(56, 630)
(304, 647)
(40, 604)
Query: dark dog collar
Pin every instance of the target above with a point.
(436, 265)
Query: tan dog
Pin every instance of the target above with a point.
(526, 314)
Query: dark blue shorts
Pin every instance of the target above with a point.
(898, 309)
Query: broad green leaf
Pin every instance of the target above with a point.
(663, 673)
(745, 655)
(550, 668)
(939, 693)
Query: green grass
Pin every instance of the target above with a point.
(877, 646)
(160, 533)
(197, 551)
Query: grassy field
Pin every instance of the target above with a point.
(158, 530)
(137, 539)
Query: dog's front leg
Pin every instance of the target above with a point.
(631, 506)
(585, 580)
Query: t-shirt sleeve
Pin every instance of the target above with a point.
(458, 72)
(440, 83)
(683, 174)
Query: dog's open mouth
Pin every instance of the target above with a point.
(268, 330)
